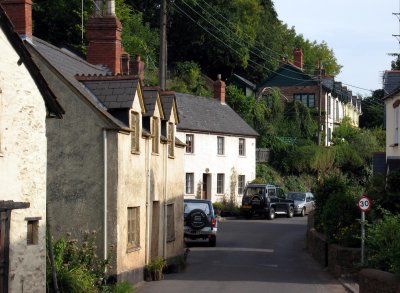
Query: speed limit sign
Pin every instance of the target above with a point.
(364, 203)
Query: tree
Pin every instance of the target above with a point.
(373, 110)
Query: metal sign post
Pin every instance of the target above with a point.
(364, 204)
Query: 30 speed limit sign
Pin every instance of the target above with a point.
(364, 203)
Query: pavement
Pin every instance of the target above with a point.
(350, 284)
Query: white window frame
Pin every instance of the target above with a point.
(189, 183)
(133, 227)
(220, 183)
(220, 145)
(241, 184)
(189, 143)
(242, 147)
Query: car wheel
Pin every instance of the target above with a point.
(197, 219)
(271, 214)
(303, 212)
(248, 215)
(212, 242)
(290, 212)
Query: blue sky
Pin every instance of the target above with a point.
(358, 31)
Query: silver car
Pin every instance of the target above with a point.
(303, 202)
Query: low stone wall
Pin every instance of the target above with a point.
(317, 246)
(343, 261)
(371, 281)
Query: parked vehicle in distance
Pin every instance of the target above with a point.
(265, 200)
(200, 221)
(303, 202)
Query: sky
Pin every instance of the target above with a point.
(359, 32)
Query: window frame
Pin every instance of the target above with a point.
(241, 184)
(220, 183)
(32, 231)
(156, 136)
(307, 99)
(396, 125)
(220, 145)
(133, 227)
(189, 143)
(135, 132)
(242, 147)
(171, 140)
(189, 183)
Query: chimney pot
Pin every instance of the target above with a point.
(137, 67)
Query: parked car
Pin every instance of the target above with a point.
(303, 202)
(265, 200)
(200, 221)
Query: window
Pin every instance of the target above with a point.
(307, 99)
(337, 110)
(242, 147)
(241, 183)
(156, 135)
(170, 222)
(221, 146)
(189, 183)
(329, 106)
(189, 143)
(133, 227)
(32, 237)
(135, 132)
(171, 140)
(220, 183)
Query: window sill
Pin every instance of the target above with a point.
(135, 152)
(171, 157)
(394, 145)
(172, 239)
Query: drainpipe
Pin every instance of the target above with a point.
(165, 202)
(105, 191)
(148, 154)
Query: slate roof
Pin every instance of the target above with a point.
(167, 100)
(70, 65)
(207, 115)
(49, 98)
(114, 93)
(150, 99)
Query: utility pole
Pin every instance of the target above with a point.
(320, 103)
(163, 45)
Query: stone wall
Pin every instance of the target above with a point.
(371, 281)
(343, 261)
(317, 247)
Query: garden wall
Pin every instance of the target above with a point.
(371, 281)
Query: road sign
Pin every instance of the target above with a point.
(364, 203)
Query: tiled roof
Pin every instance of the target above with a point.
(167, 100)
(202, 114)
(150, 100)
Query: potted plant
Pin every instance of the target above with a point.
(155, 267)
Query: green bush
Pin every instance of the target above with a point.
(78, 268)
(339, 219)
(383, 244)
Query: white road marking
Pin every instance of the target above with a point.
(242, 249)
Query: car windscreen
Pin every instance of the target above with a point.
(190, 206)
(296, 196)
(250, 191)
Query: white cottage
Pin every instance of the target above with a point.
(220, 147)
(26, 102)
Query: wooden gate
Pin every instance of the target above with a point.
(5, 216)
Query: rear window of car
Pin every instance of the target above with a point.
(255, 191)
(190, 206)
(296, 196)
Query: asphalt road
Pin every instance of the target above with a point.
(251, 256)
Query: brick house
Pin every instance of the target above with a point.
(329, 98)
(27, 104)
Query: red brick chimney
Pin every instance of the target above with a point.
(125, 61)
(20, 14)
(104, 35)
(137, 67)
(298, 57)
(219, 89)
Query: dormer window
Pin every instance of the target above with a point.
(135, 133)
(156, 135)
(171, 140)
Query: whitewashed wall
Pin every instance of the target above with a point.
(206, 160)
(23, 161)
(391, 150)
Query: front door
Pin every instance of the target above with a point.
(206, 186)
(4, 245)
(155, 230)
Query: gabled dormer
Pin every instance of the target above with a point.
(168, 124)
(153, 116)
(122, 97)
